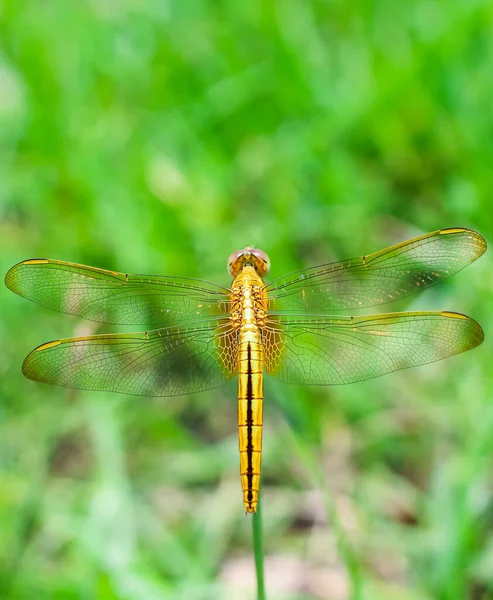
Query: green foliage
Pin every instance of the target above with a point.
(158, 137)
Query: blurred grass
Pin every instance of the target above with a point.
(157, 137)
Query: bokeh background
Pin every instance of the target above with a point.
(153, 136)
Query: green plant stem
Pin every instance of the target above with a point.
(258, 550)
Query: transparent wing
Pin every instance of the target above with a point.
(164, 362)
(378, 278)
(112, 297)
(328, 351)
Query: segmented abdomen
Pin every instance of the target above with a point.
(250, 399)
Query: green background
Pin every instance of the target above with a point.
(158, 137)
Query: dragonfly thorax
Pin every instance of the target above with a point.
(248, 256)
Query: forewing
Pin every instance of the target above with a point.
(378, 278)
(329, 351)
(164, 362)
(112, 297)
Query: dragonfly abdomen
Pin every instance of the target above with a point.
(250, 399)
(250, 388)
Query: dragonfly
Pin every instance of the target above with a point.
(201, 335)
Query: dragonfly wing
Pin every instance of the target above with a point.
(329, 351)
(112, 297)
(164, 362)
(378, 278)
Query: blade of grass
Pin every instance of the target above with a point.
(309, 458)
(344, 546)
(258, 549)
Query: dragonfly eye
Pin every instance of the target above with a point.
(234, 263)
(261, 261)
(248, 255)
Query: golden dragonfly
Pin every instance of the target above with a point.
(209, 334)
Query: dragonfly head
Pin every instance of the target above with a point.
(248, 256)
